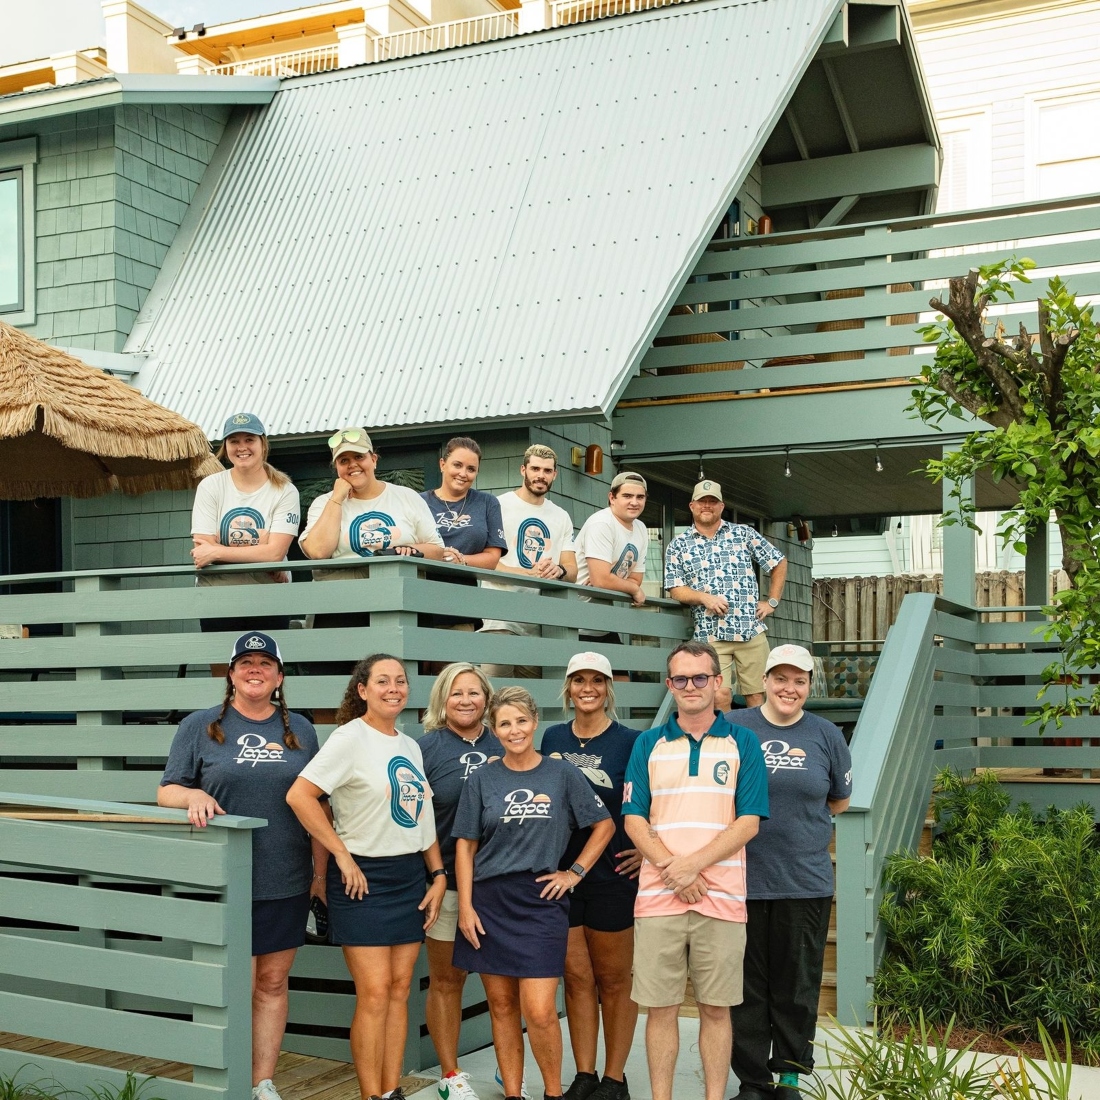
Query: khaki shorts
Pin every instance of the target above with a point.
(749, 657)
(446, 924)
(669, 949)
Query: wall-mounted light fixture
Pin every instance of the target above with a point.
(199, 29)
(179, 32)
(576, 456)
(593, 460)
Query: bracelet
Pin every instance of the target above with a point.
(437, 872)
(318, 878)
(562, 571)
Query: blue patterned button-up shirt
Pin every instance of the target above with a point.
(722, 566)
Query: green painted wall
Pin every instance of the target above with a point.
(112, 187)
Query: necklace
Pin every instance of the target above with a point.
(468, 740)
(455, 511)
(583, 741)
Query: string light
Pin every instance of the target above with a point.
(878, 461)
(787, 464)
(836, 533)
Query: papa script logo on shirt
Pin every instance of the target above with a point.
(407, 788)
(532, 542)
(371, 532)
(521, 804)
(778, 754)
(255, 749)
(471, 761)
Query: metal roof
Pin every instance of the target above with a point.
(484, 234)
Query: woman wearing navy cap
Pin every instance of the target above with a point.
(203, 776)
(248, 513)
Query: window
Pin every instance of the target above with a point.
(1063, 144)
(966, 179)
(17, 277)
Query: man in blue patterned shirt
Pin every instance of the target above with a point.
(710, 568)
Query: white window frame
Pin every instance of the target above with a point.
(1034, 102)
(978, 121)
(22, 155)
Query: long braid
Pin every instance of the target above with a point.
(289, 738)
(215, 728)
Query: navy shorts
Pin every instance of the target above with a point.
(604, 905)
(385, 916)
(525, 935)
(279, 924)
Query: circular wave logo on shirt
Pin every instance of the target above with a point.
(627, 562)
(406, 792)
(532, 542)
(371, 532)
(241, 527)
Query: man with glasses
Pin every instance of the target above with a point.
(709, 567)
(695, 792)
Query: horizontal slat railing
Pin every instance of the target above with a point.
(947, 692)
(98, 951)
(87, 712)
(765, 301)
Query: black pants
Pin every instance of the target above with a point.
(774, 1026)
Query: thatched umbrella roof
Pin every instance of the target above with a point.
(67, 429)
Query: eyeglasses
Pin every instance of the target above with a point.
(348, 435)
(699, 680)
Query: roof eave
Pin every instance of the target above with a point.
(136, 89)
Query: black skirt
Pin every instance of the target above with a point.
(387, 914)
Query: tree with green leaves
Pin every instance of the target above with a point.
(1040, 394)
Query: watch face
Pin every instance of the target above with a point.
(773, 603)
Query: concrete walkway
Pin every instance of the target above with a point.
(688, 1084)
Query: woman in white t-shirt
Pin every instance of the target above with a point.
(383, 843)
(248, 513)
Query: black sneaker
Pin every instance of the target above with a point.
(583, 1086)
(610, 1089)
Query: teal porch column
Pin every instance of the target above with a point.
(958, 545)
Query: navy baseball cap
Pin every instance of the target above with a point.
(256, 642)
(243, 422)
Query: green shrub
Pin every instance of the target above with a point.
(1000, 927)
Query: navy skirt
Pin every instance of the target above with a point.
(525, 935)
(279, 924)
(385, 916)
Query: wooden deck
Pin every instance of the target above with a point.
(297, 1076)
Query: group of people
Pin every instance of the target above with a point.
(623, 862)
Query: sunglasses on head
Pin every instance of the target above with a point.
(698, 680)
(348, 435)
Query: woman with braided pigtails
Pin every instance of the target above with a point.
(204, 776)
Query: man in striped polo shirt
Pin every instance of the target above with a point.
(695, 791)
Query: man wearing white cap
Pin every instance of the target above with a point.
(709, 567)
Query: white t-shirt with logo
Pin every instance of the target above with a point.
(243, 519)
(533, 531)
(605, 538)
(396, 517)
(381, 802)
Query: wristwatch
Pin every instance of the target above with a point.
(578, 870)
(772, 601)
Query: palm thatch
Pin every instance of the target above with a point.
(67, 429)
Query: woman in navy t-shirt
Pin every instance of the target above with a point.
(600, 955)
(514, 820)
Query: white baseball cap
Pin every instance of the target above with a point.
(707, 488)
(592, 662)
(795, 655)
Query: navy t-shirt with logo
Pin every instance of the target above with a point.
(249, 775)
(602, 760)
(523, 820)
(469, 525)
(448, 762)
(807, 763)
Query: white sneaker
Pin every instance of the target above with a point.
(524, 1095)
(456, 1087)
(265, 1090)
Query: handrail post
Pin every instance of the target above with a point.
(958, 543)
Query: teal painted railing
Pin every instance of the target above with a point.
(839, 306)
(952, 688)
(87, 712)
(126, 930)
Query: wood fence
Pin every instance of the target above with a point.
(862, 609)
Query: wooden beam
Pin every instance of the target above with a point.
(841, 105)
(865, 26)
(875, 171)
(838, 211)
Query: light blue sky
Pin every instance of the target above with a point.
(45, 27)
